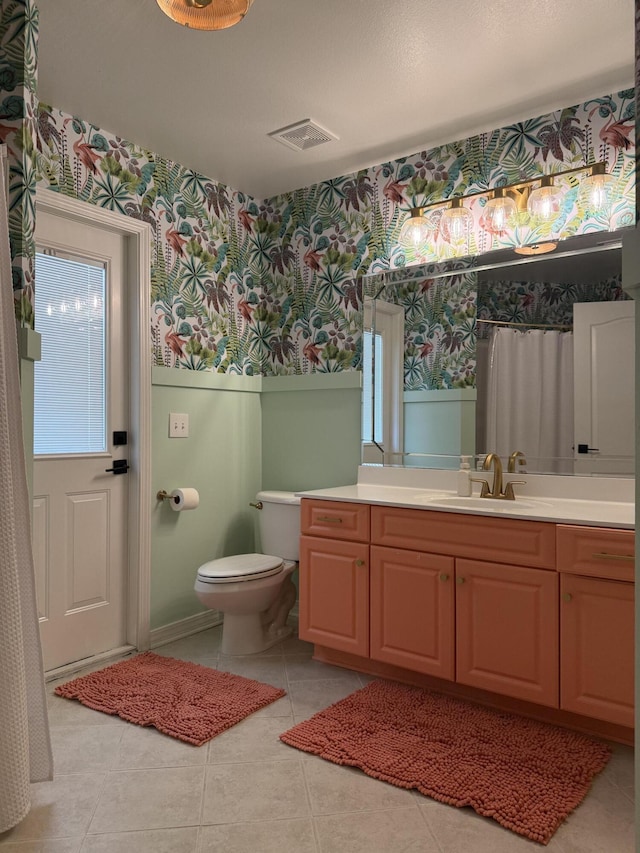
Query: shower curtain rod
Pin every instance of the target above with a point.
(528, 325)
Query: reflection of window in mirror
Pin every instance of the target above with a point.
(382, 382)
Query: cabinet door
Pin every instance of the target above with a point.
(507, 630)
(334, 594)
(412, 600)
(597, 648)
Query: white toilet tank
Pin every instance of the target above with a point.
(280, 524)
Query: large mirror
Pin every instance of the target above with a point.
(503, 353)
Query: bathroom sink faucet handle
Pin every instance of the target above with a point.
(508, 489)
(484, 490)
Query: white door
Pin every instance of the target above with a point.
(81, 399)
(604, 397)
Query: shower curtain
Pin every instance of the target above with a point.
(530, 398)
(25, 750)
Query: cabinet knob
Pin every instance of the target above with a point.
(359, 562)
(566, 596)
(459, 580)
(444, 577)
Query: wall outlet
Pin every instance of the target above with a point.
(178, 425)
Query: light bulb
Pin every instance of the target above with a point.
(456, 222)
(545, 202)
(499, 212)
(595, 191)
(416, 229)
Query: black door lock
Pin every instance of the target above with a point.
(120, 466)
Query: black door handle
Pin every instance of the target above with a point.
(120, 466)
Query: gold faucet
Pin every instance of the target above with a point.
(517, 458)
(496, 491)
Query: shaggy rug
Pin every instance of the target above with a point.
(528, 776)
(185, 700)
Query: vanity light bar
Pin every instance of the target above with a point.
(507, 201)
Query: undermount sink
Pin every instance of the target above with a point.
(494, 504)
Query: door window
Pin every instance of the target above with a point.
(70, 387)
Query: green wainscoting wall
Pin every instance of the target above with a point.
(245, 434)
(310, 430)
(221, 458)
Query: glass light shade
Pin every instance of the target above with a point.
(416, 230)
(545, 202)
(499, 213)
(206, 14)
(595, 191)
(456, 222)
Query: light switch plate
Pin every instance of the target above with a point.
(178, 425)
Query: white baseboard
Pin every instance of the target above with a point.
(91, 662)
(184, 628)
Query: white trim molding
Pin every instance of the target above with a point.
(631, 262)
(184, 628)
(138, 236)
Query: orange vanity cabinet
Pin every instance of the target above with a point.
(596, 568)
(535, 611)
(487, 614)
(334, 575)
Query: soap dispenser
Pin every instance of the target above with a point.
(464, 477)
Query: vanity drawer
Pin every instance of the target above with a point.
(335, 519)
(523, 543)
(601, 552)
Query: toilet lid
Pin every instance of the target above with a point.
(241, 567)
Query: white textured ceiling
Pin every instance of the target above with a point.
(388, 77)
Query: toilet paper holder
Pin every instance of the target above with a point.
(163, 495)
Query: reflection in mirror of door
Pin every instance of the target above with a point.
(506, 382)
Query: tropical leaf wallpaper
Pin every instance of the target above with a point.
(18, 77)
(242, 285)
(540, 302)
(439, 327)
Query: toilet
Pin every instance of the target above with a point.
(254, 591)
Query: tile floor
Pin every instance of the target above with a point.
(119, 788)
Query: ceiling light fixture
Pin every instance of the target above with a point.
(539, 197)
(206, 14)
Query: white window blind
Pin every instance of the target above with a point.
(70, 397)
(369, 405)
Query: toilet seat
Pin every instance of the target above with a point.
(241, 567)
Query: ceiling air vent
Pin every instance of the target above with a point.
(302, 135)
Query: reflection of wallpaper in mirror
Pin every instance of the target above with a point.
(540, 302)
(439, 329)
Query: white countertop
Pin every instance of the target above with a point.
(559, 510)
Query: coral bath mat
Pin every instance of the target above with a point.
(528, 776)
(185, 700)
